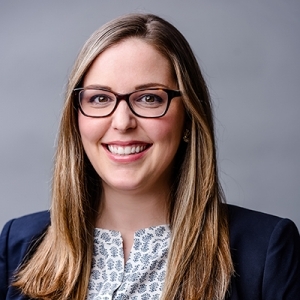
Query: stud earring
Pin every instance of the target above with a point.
(186, 136)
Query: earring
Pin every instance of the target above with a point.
(186, 136)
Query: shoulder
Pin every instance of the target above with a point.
(27, 226)
(18, 234)
(266, 254)
(17, 238)
(248, 227)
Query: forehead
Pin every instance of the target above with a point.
(130, 62)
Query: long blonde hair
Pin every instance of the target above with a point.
(199, 260)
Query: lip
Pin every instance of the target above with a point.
(126, 151)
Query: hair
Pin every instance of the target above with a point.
(199, 260)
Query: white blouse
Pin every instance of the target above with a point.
(142, 277)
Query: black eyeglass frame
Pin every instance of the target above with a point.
(171, 94)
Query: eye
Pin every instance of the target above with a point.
(149, 99)
(152, 98)
(97, 98)
(100, 99)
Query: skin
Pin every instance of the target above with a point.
(135, 186)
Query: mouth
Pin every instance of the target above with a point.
(126, 150)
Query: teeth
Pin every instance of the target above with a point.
(125, 150)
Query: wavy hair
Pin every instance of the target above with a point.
(199, 260)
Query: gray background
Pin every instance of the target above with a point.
(249, 53)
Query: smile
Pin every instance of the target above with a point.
(127, 150)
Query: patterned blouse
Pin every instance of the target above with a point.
(142, 277)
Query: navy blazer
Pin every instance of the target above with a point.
(265, 250)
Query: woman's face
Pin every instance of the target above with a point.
(152, 143)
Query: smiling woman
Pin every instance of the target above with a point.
(137, 210)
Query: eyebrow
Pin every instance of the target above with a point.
(150, 85)
(97, 86)
(138, 87)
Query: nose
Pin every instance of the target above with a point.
(123, 118)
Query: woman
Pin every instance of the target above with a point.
(137, 210)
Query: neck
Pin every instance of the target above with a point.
(129, 211)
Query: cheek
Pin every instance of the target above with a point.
(164, 132)
(90, 129)
(172, 127)
(167, 131)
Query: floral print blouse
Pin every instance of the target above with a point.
(141, 277)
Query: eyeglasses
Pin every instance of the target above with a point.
(145, 103)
